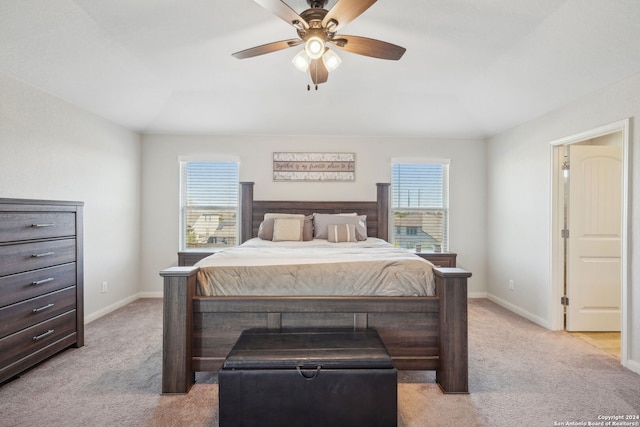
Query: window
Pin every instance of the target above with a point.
(208, 204)
(420, 204)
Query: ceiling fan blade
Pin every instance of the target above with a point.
(319, 73)
(345, 11)
(368, 47)
(267, 48)
(283, 10)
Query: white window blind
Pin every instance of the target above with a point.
(420, 205)
(208, 204)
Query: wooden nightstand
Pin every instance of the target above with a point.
(190, 257)
(439, 259)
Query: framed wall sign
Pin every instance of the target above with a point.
(289, 166)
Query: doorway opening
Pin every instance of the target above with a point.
(589, 285)
(608, 342)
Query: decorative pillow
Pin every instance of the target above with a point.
(265, 232)
(307, 229)
(321, 221)
(287, 229)
(338, 233)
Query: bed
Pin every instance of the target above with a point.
(421, 330)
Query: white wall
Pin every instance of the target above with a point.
(160, 186)
(519, 203)
(500, 191)
(50, 149)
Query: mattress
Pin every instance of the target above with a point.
(315, 268)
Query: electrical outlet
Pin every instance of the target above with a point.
(511, 285)
(105, 287)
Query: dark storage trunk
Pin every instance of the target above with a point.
(308, 378)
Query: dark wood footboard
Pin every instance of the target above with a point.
(422, 333)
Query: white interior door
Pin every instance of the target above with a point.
(595, 224)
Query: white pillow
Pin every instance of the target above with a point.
(287, 229)
(267, 225)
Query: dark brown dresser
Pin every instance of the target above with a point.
(41, 281)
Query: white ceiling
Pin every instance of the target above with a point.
(472, 68)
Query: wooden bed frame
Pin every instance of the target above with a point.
(420, 333)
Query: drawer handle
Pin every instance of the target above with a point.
(310, 376)
(43, 281)
(42, 254)
(38, 310)
(43, 225)
(42, 335)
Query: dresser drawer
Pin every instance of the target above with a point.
(32, 256)
(16, 346)
(22, 286)
(27, 313)
(15, 226)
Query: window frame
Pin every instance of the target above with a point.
(444, 208)
(184, 207)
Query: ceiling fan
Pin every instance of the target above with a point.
(317, 27)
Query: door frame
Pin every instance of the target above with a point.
(556, 310)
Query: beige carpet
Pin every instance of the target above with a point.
(520, 375)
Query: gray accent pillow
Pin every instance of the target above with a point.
(322, 221)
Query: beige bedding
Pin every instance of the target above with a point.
(315, 268)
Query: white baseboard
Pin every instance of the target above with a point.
(529, 316)
(477, 295)
(150, 295)
(102, 312)
(632, 365)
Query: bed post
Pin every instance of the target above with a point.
(177, 329)
(246, 211)
(453, 368)
(383, 210)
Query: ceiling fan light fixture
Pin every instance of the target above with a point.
(316, 27)
(331, 26)
(302, 61)
(331, 60)
(340, 42)
(314, 47)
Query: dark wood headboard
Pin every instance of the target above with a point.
(252, 211)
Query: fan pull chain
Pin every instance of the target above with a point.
(316, 71)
